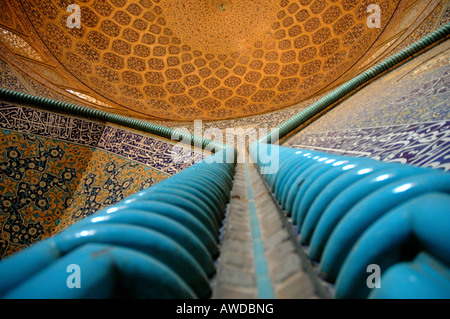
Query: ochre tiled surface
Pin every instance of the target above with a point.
(56, 169)
(169, 61)
(210, 60)
(38, 177)
(392, 40)
(47, 185)
(107, 179)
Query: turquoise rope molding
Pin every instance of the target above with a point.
(321, 192)
(354, 84)
(82, 111)
(353, 212)
(200, 185)
(158, 243)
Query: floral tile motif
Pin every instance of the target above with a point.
(56, 169)
(38, 177)
(151, 151)
(403, 116)
(108, 179)
(10, 80)
(425, 144)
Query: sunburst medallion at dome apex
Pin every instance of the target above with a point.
(210, 60)
(221, 26)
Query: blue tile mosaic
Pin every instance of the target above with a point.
(424, 144)
(147, 150)
(150, 151)
(51, 125)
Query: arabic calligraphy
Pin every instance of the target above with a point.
(150, 151)
(423, 144)
(155, 153)
(51, 125)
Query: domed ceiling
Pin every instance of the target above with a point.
(211, 60)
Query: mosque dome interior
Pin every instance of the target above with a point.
(351, 96)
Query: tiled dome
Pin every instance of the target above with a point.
(210, 60)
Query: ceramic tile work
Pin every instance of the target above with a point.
(52, 125)
(108, 178)
(438, 18)
(264, 79)
(408, 122)
(14, 79)
(445, 18)
(210, 60)
(56, 169)
(159, 154)
(425, 144)
(18, 45)
(422, 98)
(150, 151)
(38, 177)
(9, 79)
(49, 83)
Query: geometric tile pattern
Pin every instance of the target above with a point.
(56, 169)
(436, 15)
(38, 177)
(172, 61)
(426, 144)
(107, 179)
(151, 151)
(409, 122)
